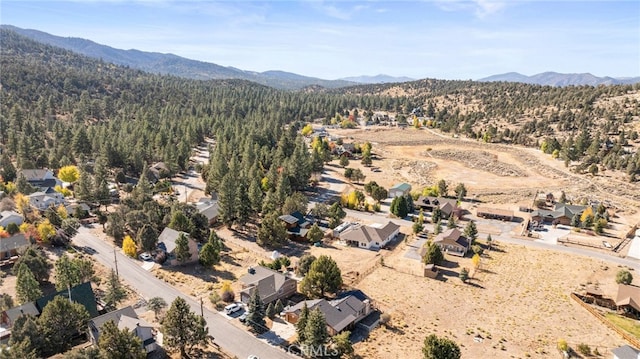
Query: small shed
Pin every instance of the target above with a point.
(430, 271)
(400, 189)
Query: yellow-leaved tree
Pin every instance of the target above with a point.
(46, 230)
(22, 204)
(307, 130)
(63, 191)
(69, 174)
(62, 212)
(129, 246)
(476, 261)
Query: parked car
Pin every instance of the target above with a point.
(145, 256)
(232, 308)
(244, 316)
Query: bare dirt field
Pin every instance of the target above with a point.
(518, 303)
(492, 173)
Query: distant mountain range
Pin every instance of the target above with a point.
(171, 64)
(558, 79)
(378, 79)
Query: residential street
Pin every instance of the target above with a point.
(231, 338)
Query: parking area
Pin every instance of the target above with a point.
(280, 332)
(549, 234)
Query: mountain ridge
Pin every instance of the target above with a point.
(551, 78)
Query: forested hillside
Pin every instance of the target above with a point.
(591, 125)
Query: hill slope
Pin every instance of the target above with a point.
(558, 79)
(175, 65)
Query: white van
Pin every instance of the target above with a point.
(232, 308)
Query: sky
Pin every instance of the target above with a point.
(444, 39)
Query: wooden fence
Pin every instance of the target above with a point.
(628, 337)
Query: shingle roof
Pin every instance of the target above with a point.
(82, 294)
(626, 352)
(267, 281)
(25, 309)
(452, 237)
(16, 241)
(402, 187)
(169, 236)
(368, 234)
(289, 219)
(115, 316)
(36, 174)
(338, 314)
(628, 295)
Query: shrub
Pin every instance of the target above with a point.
(624, 277)
(584, 349)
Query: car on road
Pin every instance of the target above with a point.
(232, 308)
(145, 256)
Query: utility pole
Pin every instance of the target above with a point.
(115, 260)
(201, 308)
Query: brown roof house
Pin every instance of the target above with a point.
(124, 318)
(561, 214)
(9, 316)
(628, 299)
(447, 206)
(168, 238)
(271, 285)
(374, 236)
(453, 242)
(340, 314)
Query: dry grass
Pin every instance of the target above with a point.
(519, 303)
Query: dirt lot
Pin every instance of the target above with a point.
(518, 303)
(491, 172)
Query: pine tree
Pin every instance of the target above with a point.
(115, 292)
(324, 276)
(471, 231)
(59, 322)
(301, 324)
(255, 318)
(182, 248)
(182, 328)
(316, 334)
(27, 287)
(116, 343)
(271, 311)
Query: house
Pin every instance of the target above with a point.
(371, 237)
(9, 316)
(42, 200)
(81, 294)
(495, 213)
(271, 285)
(41, 178)
(209, 208)
(78, 208)
(447, 206)
(625, 352)
(158, 171)
(124, 318)
(8, 217)
(11, 247)
(168, 238)
(296, 224)
(562, 213)
(628, 299)
(340, 314)
(400, 189)
(453, 242)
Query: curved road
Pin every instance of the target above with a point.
(231, 338)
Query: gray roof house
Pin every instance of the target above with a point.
(371, 237)
(625, 352)
(340, 314)
(9, 316)
(453, 242)
(271, 285)
(8, 217)
(168, 238)
(124, 318)
(12, 246)
(42, 201)
(209, 208)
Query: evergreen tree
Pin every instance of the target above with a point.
(316, 334)
(301, 324)
(115, 292)
(37, 263)
(83, 190)
(23, 186)
(25, 333)
(279, 307)
(147, 238)
(182, 248)
(324, 276)
(272, 232)
(439, 348)
(208, 255)
(27, 287)
(255, 317)
(228, 199)
(471, 231)
(315, 234)
(59, 322)
(271, 310)
(336, 214)
(120, 344)
(182, 328)
(156, 304)
(8, 171)
(255, 195)
(433, 254)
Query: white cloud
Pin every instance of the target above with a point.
(481, 8)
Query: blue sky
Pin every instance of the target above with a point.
(447, 39)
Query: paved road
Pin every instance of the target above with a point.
(505, 236)
(231, 338)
